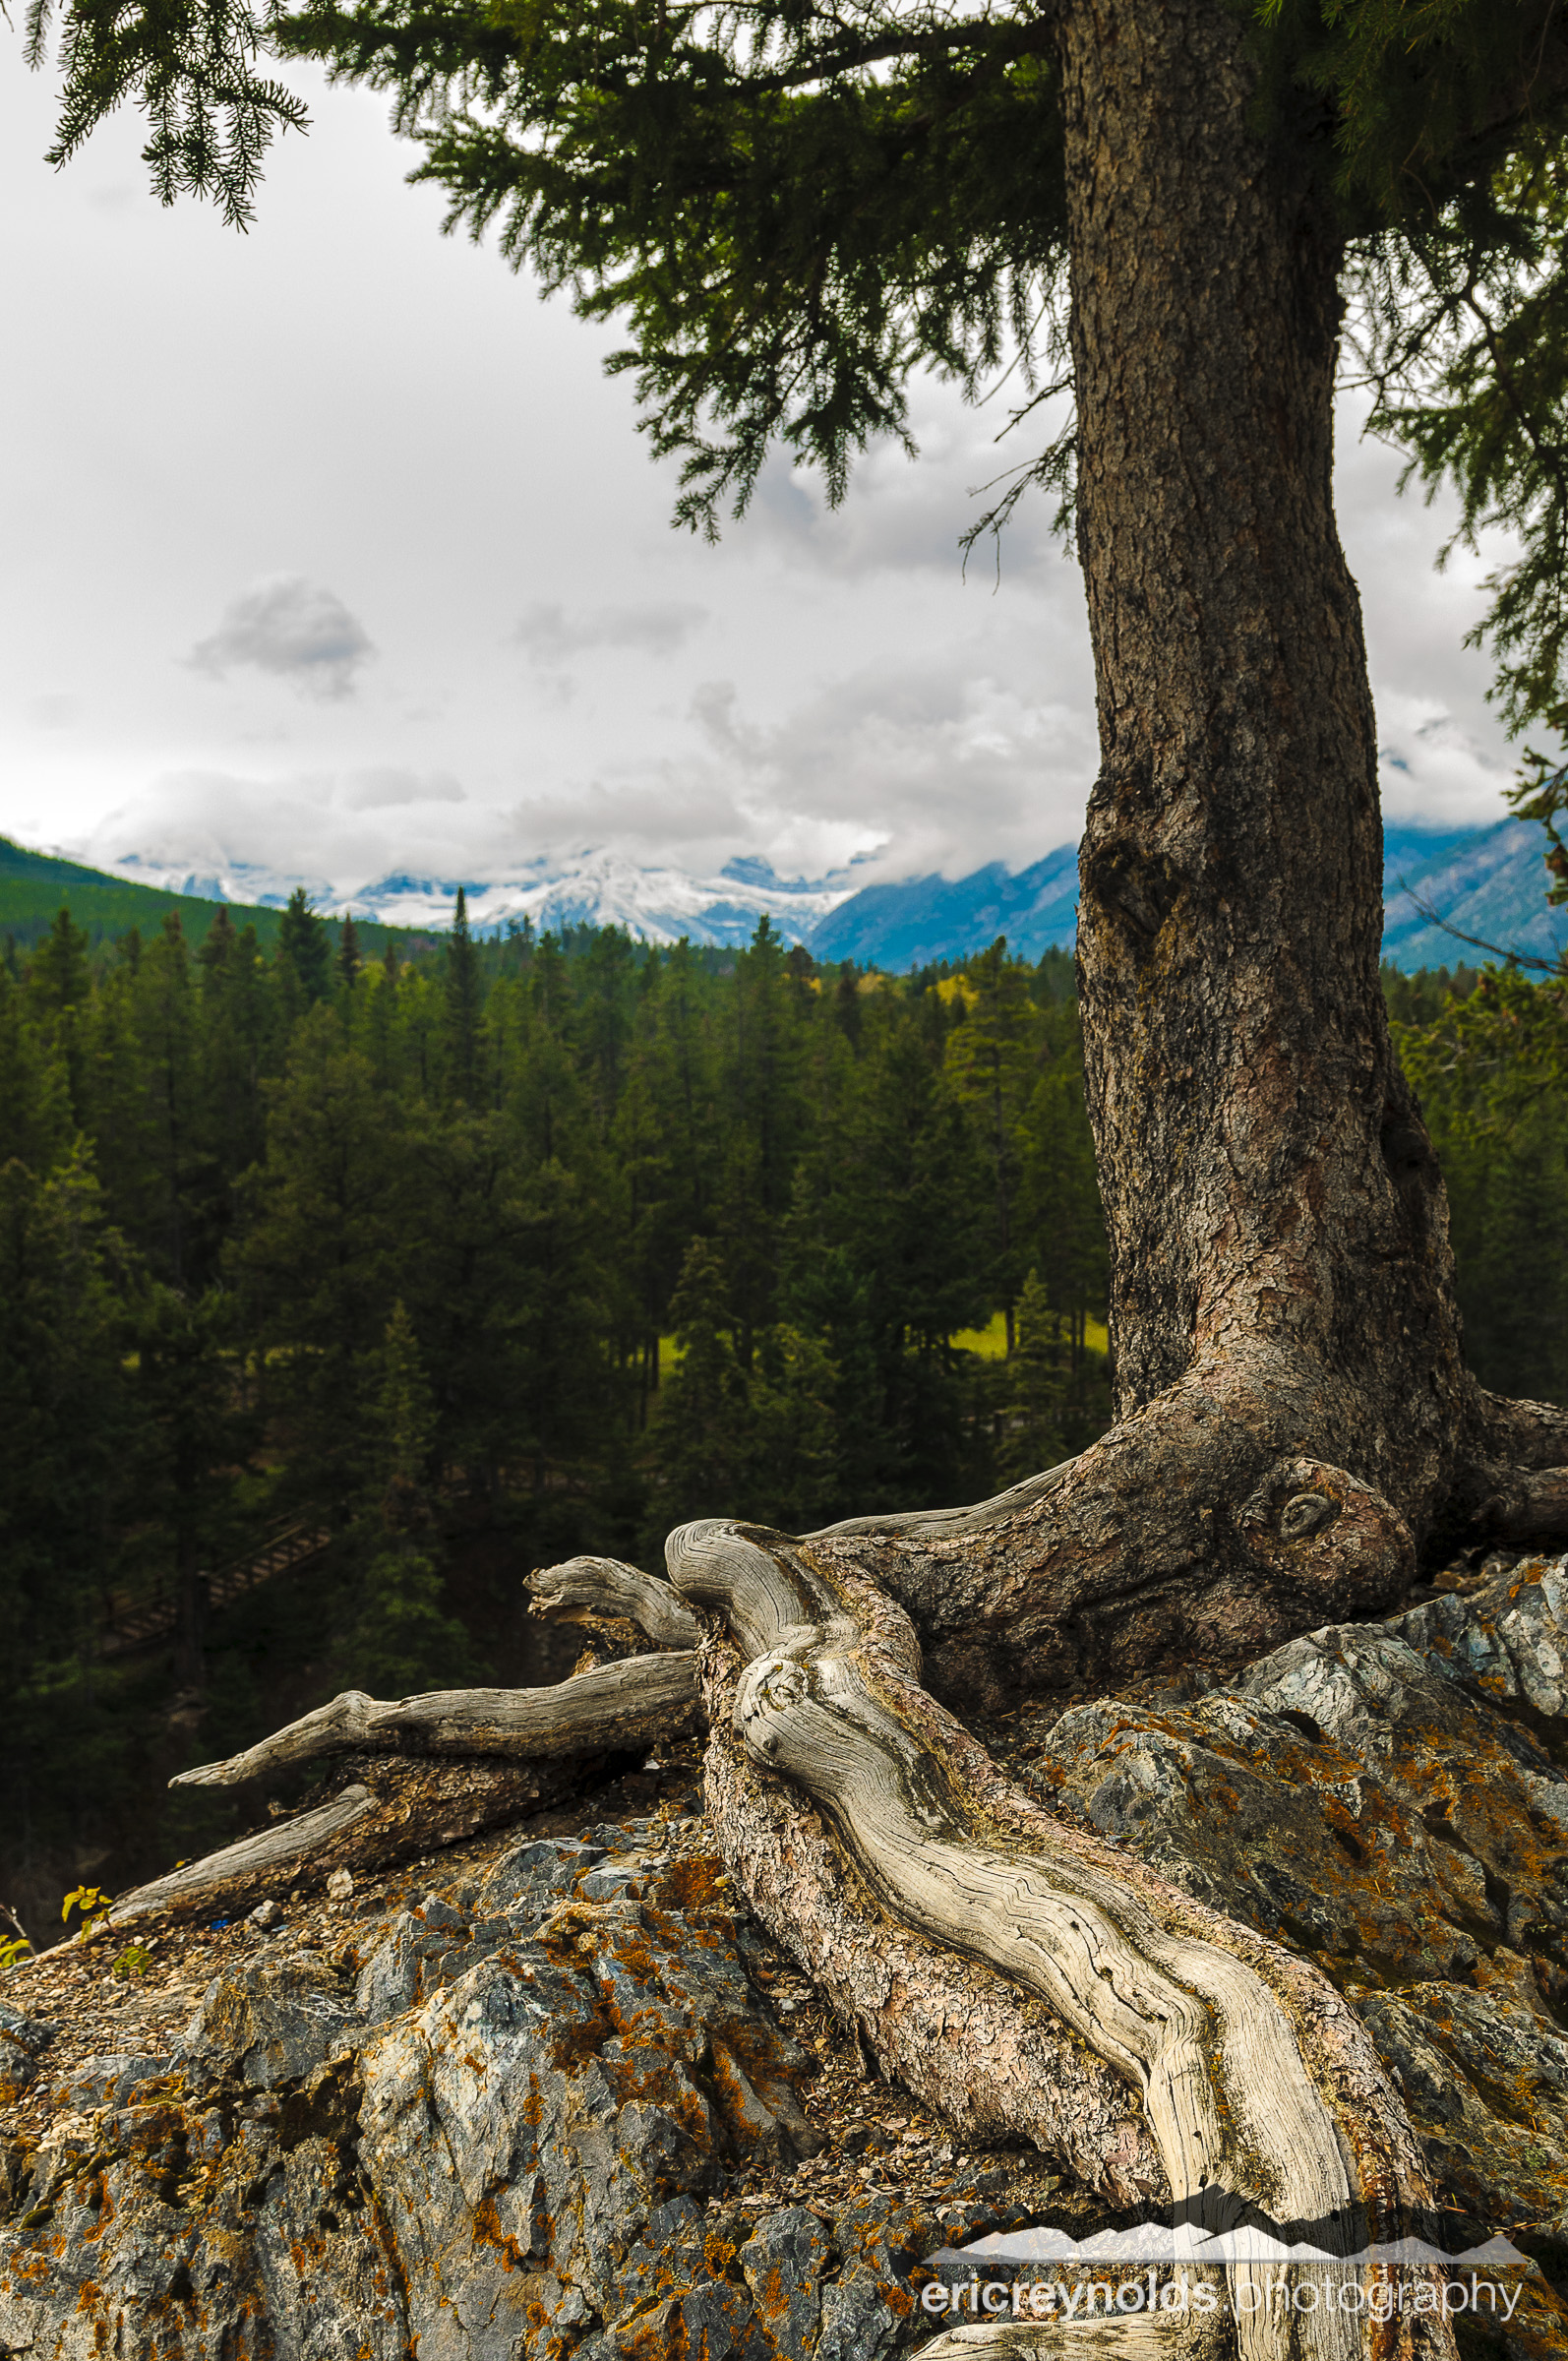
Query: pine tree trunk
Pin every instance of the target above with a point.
(1277, 1227)
(1294, 1417)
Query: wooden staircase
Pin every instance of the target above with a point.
(140, 1625)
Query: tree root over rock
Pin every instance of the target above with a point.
(1022, 1975)
(518, 1750)
(1263, 2094)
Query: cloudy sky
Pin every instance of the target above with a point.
(331, 548)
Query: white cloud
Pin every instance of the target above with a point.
(943, 761)
(293, 627)
(378, 790)
(904, 515)
(1434, 772)
(245, 831)
(655, 629)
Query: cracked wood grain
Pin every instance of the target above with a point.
(612, 1708)
(1212, 2042)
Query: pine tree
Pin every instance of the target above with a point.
(991, 1057)
(462, 987)
(700, 1442)
(35, 1114)
(404, 1640)
(304, 954)
(348, 961)
(59, 973)
(1035, 1388)
(798, 212)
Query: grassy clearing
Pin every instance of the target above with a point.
(991, 1343)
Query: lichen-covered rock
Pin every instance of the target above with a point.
(1390, 1797)
(782, 2262)
(495, 2143)
(23, 2042)
(270, 2023)
(508, 2121)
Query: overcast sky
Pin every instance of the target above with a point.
(330, 547)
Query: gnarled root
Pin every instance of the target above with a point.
(392, 1812)
(1191, 1529)
(1262, 2092)
(996, 2062)
(1513, 1482)
(610, 1709)
(1150, 2338)
(519, 1751)
(586, 1589)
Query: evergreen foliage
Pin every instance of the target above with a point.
(1489, 1056)
(404, 1641)
(537, 1245)
(547, 1246)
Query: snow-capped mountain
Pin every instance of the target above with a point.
(1487, 882)
(589, 888)
(607, 889)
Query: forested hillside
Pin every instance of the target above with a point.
(449, 1268)
(386, 1252)
(32, 886)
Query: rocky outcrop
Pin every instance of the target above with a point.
(508, 2121)
(548, 2099)
(1391, 1798)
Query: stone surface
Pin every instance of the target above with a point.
(509, 2134)
(526, 2116)
(23, 2042)
(1392, 1798)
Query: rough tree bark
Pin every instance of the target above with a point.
(1295, 1419)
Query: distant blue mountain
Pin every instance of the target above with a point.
(1488, 882)
(925, 919)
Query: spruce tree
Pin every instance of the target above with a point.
(404, 1640)
(462, 988)
(304, 954)
(1169, 208)
(348, 961)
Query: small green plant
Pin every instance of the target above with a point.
(92, 1902)
(134, 1959)
(14, 1947)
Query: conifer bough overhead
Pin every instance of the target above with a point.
(794, 210)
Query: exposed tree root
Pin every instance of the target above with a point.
(585, 1589)
(1022, 1975)
(393, 1811)
(1192, 1529)
(998, 2063)
(519, 1749)
(1138, 2339)
(1260, 2088)
(611, 1708)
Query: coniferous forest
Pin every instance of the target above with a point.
(419, 1272)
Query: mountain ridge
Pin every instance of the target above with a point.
(1487, 882)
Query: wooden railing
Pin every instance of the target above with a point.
(138, 1626)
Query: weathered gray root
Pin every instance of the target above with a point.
(609, 1710)
(996, 2062)
(519, 1749)
(583, 1587)
(394, 1811)
(1142, 2338)
(1260, 2087)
